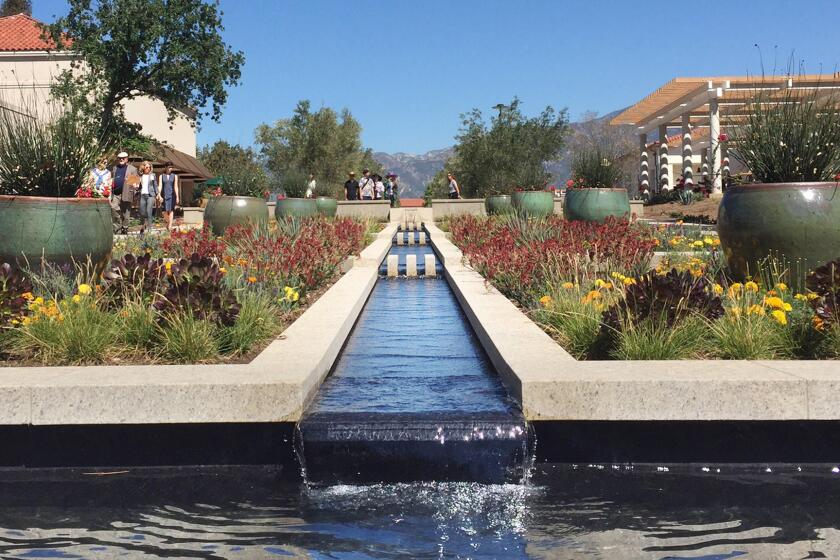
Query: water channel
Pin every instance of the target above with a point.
(413, 449)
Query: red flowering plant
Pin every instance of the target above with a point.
(202, 242)
(90, 189)
(519, 256)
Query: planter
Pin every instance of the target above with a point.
(296, 207)
(224, 211)
(796, 222)
(326, 206)
(61, 230)
(596, 205)
(498, 204)
(533, 204)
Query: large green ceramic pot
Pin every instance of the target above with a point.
(326, 206)
(533, 204)
(595, 205)
(224, 211)
(798, 223)
(498, 204)
(296, 207)
(61, 230)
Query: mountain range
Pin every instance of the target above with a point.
(416, 171)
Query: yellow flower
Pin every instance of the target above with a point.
(27, 296)
(816, 320)
(616, 275)
(755, 310)
(679, 222)
(545, 301)
(800, 297)
(568, 285)
(780, 316)
(717, 288)
(84, 289)
(593, 294)
(751, 287)
(698, 244)
(629, 281)
(656, 242)
(735, 288)
(223, 270)
(774, 302)
(812, 296)
(252, 279)
(39, 301)
(169, 267)
(781, 286)
(772, 293)
(787, 307)
(600, 283)
(709, 240)
(76, 298)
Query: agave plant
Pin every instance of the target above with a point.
(824, 281)
(133, 276)
(197, 285)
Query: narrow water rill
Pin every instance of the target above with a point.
(412, 396)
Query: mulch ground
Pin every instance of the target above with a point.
(703, 211)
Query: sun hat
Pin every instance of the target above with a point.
(351, 173)
(122, 155)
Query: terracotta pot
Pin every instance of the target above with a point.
(61, 230)
(595, 205)
(533, 204)
(798, 223)
(224, 211)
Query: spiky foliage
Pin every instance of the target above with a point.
(790, 137)
(594, 168)
(824, 281)
(197, 285)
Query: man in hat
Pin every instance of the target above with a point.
(126, 178)
(351, 187)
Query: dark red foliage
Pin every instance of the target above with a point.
(195, 241)
(520, 257)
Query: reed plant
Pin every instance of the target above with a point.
(258, 320)
(570, 319)
(790, 136)
(655, 339)
(593, 167)
(187, 340)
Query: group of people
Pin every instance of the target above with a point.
(371, 187)
(123, 182)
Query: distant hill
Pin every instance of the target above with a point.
(416, 171)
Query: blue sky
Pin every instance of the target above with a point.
(407, 69)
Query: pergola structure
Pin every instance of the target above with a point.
(708, 106)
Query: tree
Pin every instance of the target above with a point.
(324, 143)
(170, 50)
(237, 166)
(12, 7)
(510, 153)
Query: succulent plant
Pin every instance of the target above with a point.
(824, 281)
(669, 297)
(135, 275)
(197, 284)
(14, 287)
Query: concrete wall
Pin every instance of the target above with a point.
(364, 209)
(419, 215)
(26, 77)
(457, 207)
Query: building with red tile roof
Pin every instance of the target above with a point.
(21, 32)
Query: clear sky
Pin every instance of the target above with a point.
(407, 69)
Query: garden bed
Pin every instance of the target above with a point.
(185, 297)
(592, 288)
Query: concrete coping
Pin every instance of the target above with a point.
(551, 385)
(274, 387)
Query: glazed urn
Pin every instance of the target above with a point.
(533, 204)
(498, 204)
(224, 211)
(327, 206)
(595, 205)
(295, 207)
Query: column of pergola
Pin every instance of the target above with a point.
(665, 182)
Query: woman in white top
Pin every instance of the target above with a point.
(311, 186)
(379, 188)
(148, 194)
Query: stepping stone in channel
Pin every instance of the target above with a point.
(421, 238)
(393, 265)
(411, 265)
(400, 238)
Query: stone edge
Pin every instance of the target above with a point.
(274, 387)
(551, 385)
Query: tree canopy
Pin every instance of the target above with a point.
(171, 50)
(510, 152)
(12, 7)
(237, 166)
(324, 143)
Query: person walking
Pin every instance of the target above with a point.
(311, 186)
(351, 187)
(169, 194)
(366, 185)
(122, 194)
(454, 189)
(379, 187)
(148, 195)
(100, 178)
(393, 188)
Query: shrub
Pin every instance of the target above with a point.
(593, 167)
(749, 337)
(187, 340)
(570, 319)
(138, 326)
(654, 339)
